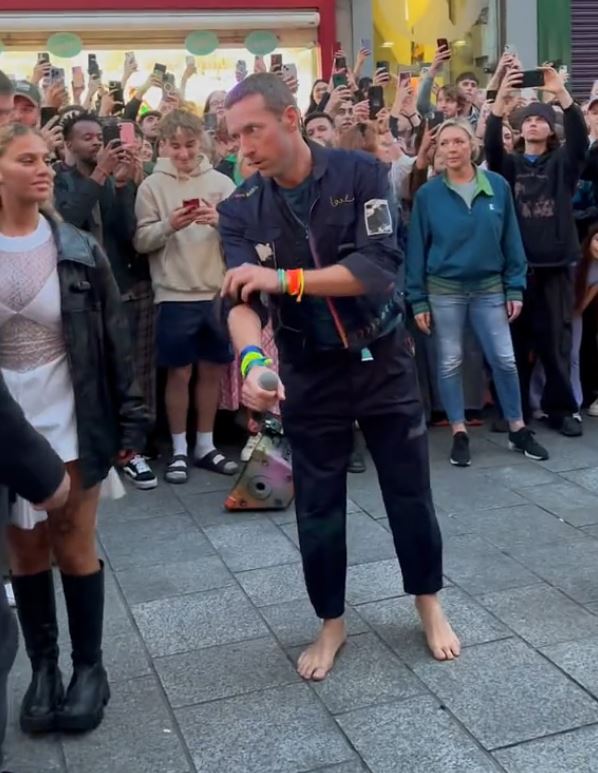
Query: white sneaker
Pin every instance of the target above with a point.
(140, 473)
(593, 408)
(249, 447)
(10, 594)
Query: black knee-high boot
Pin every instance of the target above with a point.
(36, 607)
(88, 691)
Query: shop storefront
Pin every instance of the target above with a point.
(406, 33)
(157, 32)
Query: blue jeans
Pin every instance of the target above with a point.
(488, 318)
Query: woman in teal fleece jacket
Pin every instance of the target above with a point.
(465, 262)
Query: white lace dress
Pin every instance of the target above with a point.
(33, 356)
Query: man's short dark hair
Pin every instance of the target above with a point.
(275, 92)
(7, 87)
(69, 125)
(317, 114)
(468, 76)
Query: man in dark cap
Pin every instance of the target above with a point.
(544, 177)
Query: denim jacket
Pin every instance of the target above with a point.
(351, 223)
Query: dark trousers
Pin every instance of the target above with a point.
(545, 329)
(324, 396)
(8, 651)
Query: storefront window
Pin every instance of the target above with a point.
(406, 32)
(214, 72)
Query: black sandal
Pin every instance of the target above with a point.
(177, 470)
(217, 462)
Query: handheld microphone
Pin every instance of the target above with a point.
(268, 380)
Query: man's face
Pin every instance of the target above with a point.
(149, 127)
(85, 141)
(6, 108)
(344, 118)
(535, 129)
(265, 139)
(468, 89)
(183, 149)
(321, 130)
(25, 112)
(448, 107)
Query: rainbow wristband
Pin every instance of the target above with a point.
(248, 349)
(283, 284)
(248, 364)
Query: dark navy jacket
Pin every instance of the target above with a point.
(338, 231)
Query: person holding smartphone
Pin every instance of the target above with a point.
(543, 175)
(177, 230)
(97, 194)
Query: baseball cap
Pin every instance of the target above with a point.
(28, 91)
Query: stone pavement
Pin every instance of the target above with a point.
(206, 611)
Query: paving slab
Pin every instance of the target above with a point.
(150, 541)
(170, 626)
(397, 623)
(224, 671)
(274, 585)
(295, 622)
(506, 693)
(578, 659)
(283, 730)
(252, 545)
(570, 502)
(415, 735)
(541, 615)
(573, 752)
(136, 736)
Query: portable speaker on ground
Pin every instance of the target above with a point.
(266, 481)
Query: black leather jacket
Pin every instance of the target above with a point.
(109, 408)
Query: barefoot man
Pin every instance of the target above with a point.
(330, 278)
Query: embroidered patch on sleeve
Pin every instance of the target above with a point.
(378, 221)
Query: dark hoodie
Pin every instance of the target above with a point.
(543, 190)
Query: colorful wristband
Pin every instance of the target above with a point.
(248, 349)
(262, 362)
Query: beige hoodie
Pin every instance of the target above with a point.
(185, 265)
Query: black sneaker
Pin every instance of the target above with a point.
(460, 455)
(523, 441)
(140, 473)
(571, 426)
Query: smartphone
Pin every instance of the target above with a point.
(366, 43)
(210, 122)
(115, 88)
(443, 43)
(276, 63)
(43, 58)
(93, 68)
(191, 203)
(404, 78)
(339, 79)
(47, 113)
(510, 49)
(159, 71)
(57, 75)
(532, 79)
(563, 70)
(338, 46)
(126, 131)
(169, 82)
(491, 95)
(130, 59)
(340, 63)
(190, 61)
(435, 119)
(77, 76)
(376, 97)
(383, 65)
(111, 132)
(290, 70)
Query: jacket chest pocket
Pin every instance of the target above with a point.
(341, 217)
(80, 298)
(264, 241)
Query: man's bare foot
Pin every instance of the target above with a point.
(442, 641)
(317, 660)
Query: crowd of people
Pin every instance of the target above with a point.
(457, 248)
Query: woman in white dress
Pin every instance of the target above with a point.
(66, 358)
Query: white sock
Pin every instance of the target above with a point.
(204, 444)
(179, 444)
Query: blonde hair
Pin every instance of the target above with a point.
(467, 128)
